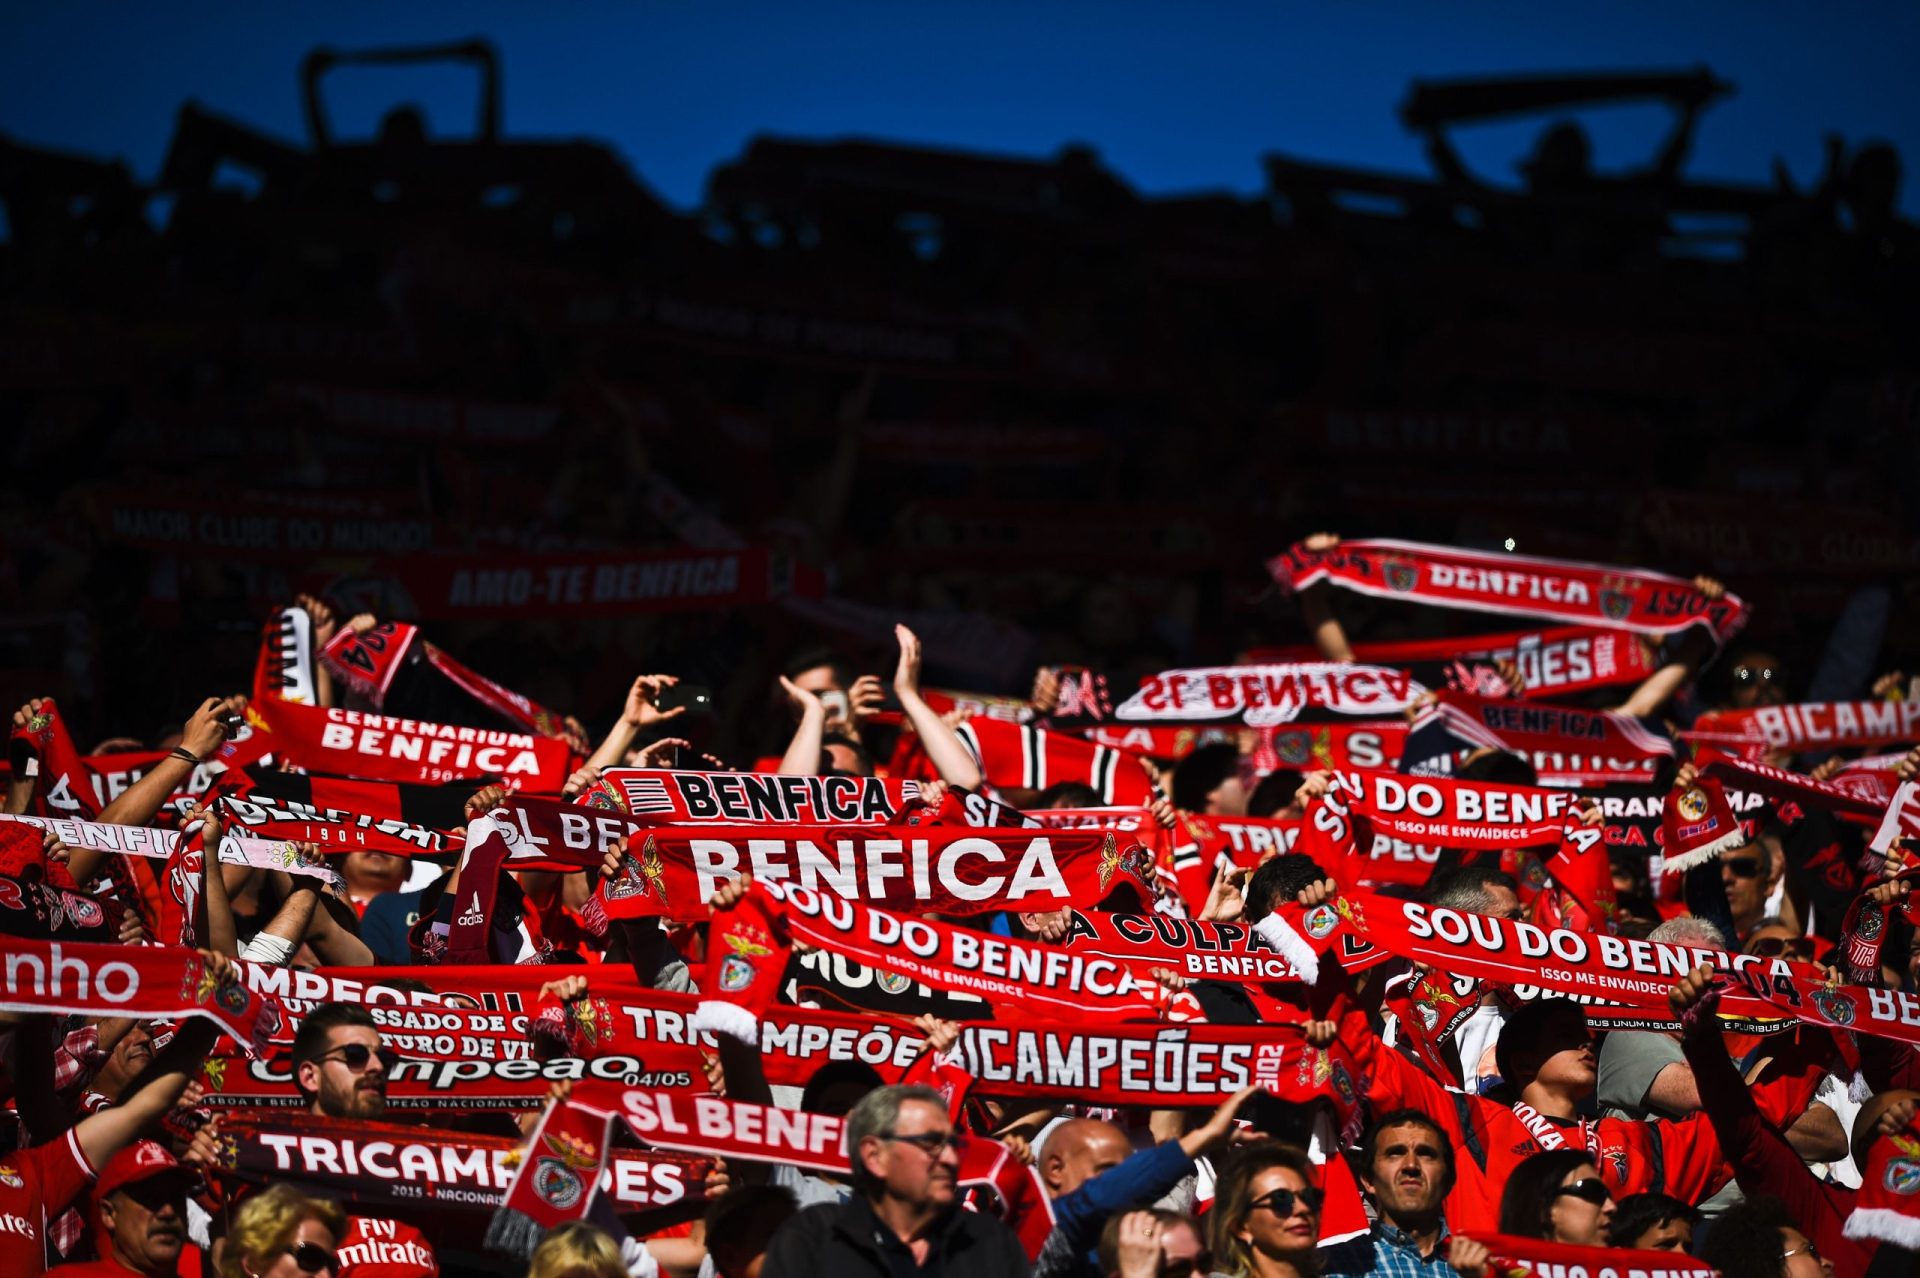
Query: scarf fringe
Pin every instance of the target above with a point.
(1886, 1225)
(730, 1019)
(514, 1233)
(1704, 853)
(1293, 947)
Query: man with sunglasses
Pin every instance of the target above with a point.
(904, 1216)
(340, 1067)
(139, 1214)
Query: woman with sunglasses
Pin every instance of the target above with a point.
(1558, 1196)
(280, 1233)
(1265, 1221)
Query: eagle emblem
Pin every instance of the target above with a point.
(1401, 575)
(643, 876)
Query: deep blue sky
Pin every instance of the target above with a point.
(1175, 96)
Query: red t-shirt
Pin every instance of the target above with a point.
(97, 1269)
(385, 1249)
(36, 1185)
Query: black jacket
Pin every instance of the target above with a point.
(846, 1240)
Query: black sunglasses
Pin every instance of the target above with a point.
(312, 1258)
(1777, 946)
(1588, 1189)
(931, 1143)
(1281, 1201)
(1746, 867)
(355, 1056)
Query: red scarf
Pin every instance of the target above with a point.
(1021, 978)
(64, 785)
(145, 982)
(1537, 1258)
(1697, 825)
(110, 775)
(1523, 585)
(1159, 743)
(383, 1168)
(1236, 952)
(672, 797)
(568, 1152)
(1024, 757)
(1821, 725)
(1887, 1206)
(1580, 965)
(1382, 827)
(671, 872)
(1179, 1066)
(1475, 815)
(368, 660)
(1370, 743)
(1790, 787)
(379, 748)
(1263, 696)
(1559, 662)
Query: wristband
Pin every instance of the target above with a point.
(185, 756)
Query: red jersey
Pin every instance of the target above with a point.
(35, 1186)
(1678, 1157)
(98, 1269)
(385, 1249)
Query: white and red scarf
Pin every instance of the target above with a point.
(671, 797)
(1565, 746)
(379, 1169)
(1552, 589)
(1814, 725)
(671, 871)
(1025, 757)
(1264, 696)
(1556, 662)
(344, 815)
(1887, 1205)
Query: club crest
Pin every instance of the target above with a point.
(891, 982)
(1401, 576)
(1903, 1176)
(738, 969)
(1834, 1006)
(1320, 920)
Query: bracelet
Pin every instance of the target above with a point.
(185, 756)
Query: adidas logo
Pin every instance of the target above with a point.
(474, 915)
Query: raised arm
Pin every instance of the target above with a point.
(1316, 606)
(641, 711)
(950, 758)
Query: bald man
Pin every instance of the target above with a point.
(1091, 1171)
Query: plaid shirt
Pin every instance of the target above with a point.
(1387, 1251)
